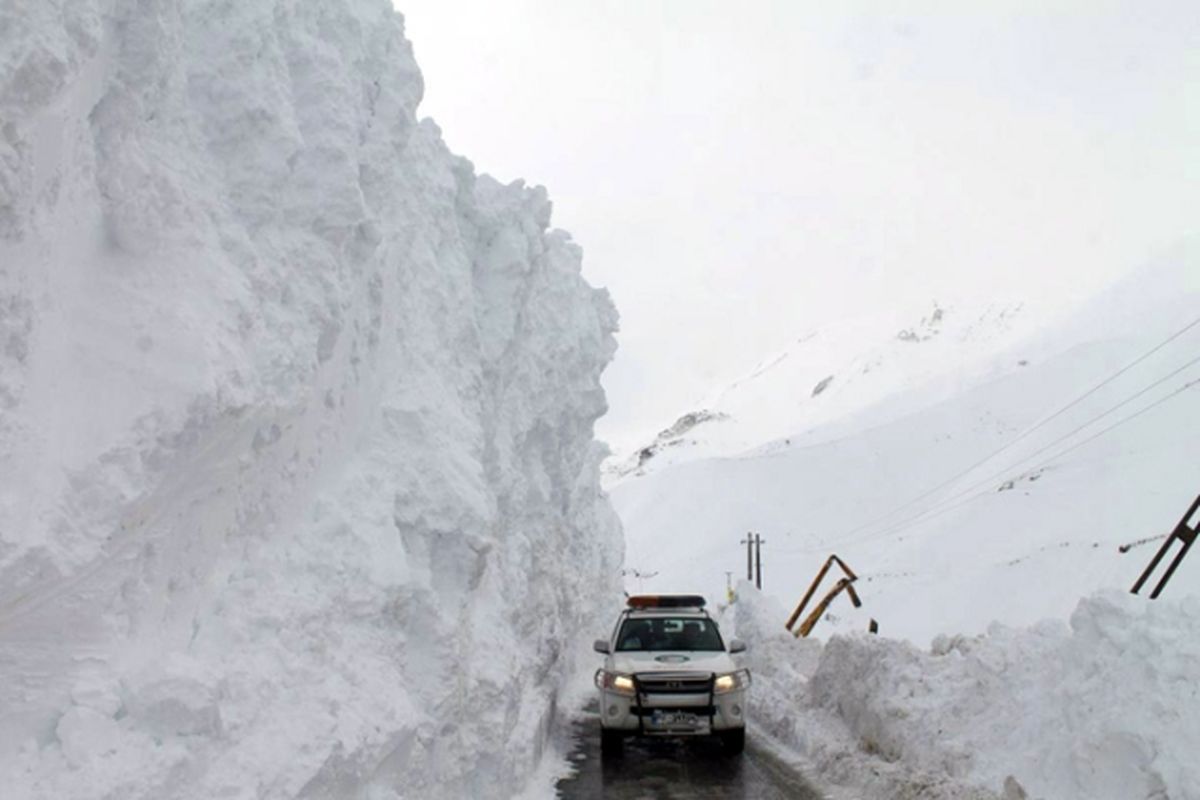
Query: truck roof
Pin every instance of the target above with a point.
(639, 601)
(666, 612)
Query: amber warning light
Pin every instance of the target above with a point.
(665, 601)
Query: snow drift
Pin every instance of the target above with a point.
(1098, 709)
(295, 417)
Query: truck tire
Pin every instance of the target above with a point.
(734, 741)
(611, 743)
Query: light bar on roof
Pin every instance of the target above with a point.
(665, 601)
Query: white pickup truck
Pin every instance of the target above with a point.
(668, 672)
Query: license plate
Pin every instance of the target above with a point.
(675, 719)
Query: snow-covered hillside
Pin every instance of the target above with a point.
(954, 491)
(295, 417)
(911, 356)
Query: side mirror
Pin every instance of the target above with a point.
(737, 646)
(601, 646)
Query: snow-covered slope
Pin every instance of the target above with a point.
(910, 357)
(942, 539)
(295, 417)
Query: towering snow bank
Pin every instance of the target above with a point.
(1101, 709)
(298, 494)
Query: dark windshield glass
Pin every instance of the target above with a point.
(669, 633)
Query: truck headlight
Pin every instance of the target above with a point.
(731, 681)
(615, 682)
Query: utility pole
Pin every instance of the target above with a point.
(749, 542)
(758, 543)
(845, 584)
(1186, 533)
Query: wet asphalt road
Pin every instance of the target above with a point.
(657, 769)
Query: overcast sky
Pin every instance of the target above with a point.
(738, 173)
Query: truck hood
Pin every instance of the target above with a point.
(672, 661)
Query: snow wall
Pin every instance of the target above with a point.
(1102, 708)
(298, 490)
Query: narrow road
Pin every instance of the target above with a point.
(658, 769)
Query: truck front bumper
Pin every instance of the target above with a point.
(673, 715)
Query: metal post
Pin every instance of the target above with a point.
(1186, 532)
(1188, 540)
(758, 541)
(749, 542)
(1162, 551)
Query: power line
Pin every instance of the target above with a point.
(937, 510)
(930, 512)
(995, 475)
(1101, 416)
(1101, 384)
(1027, 432)
(1120, 422)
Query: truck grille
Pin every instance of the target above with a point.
(704, 711)
(675, 683)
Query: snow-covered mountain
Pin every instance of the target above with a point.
(910, 357)
(932, 460)
(295, 417)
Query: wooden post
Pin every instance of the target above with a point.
(846, 583)
(812, 588)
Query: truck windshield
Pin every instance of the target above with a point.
(669, 633)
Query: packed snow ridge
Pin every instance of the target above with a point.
(295, 417)
(1096, 708)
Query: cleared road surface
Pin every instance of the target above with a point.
(671, 768)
